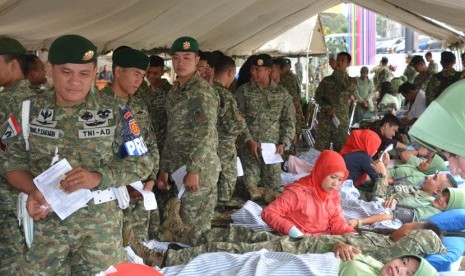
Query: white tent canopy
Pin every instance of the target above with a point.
(237, 27)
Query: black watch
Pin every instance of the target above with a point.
(380, 175)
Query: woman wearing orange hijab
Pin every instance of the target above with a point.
(312, 204)
(358, 152)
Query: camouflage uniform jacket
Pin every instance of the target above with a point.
(410, 73)
(88, 135)
(191, 137)
(229, 127)
(436, 86)
(139, 109)
(422, 80)
(268, 112)
(334, 92)
(292, 84)
(10, 95)
(382, 74)
(433, 67)
(155, 97)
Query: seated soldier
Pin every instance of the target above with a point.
(415, 169)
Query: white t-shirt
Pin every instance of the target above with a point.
(418, 106)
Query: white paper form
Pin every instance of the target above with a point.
(240, 170)
(150, 202)
(178, 178)
(63, 204)
(269, 154)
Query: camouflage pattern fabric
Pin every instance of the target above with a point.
(439, 82)
(380, 247)
(155, 97)
(410, 73)
(192, 140)
(12, 240)
(135, 215)
(229, 127)
(382, 74)
(333, 93)
(270, 118)
(422, 80)
(291, 83)
(89, 240)
(433, 67)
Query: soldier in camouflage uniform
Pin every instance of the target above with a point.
(423, 78)
(270, 118)
(440, 81)
(230, 125)
(333, 95)
(409, 71)
(36, 74)
(382, 73)
(129, 67)
(413, 238)
(433, 67)
(15, 87)
(292, 84)
(191, 141)
(73, 122)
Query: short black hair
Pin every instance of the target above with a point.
(417, 59)
(30, 63)
(406, 87)
(349, 57)
(204, 55)
(22, 60)
(280, 61)
(428, 225)
(156, 61)
(428, 54)
(384, 60)
(390, 119)
(223, 64)
(451, 183)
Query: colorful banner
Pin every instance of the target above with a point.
(362, 35)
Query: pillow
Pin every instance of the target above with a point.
(455, 249)
(450, 220)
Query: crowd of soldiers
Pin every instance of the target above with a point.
(133, 131)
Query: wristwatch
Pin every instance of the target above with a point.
(380, 175)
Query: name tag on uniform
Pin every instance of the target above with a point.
(136, 146)
(44, 132)
(96, 132)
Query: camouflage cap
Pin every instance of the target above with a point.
(456, 199)
(185, 44)
(72, 49)
(264, 60)
(10, 45)
(364, 69)
(131, 58)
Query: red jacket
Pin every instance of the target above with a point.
(298, 205)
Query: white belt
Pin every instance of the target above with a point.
(121, 194)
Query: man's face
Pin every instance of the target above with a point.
(129, 79)
(260, 74)
(185, 63)
(6, 71)
(442, 200)
(428, 58)
(342, 63)
(421, 68)
(202, 68)
(434, 184)
(72, 82)
(154, 75)
(404, 230)
(105, 68)
(364, 75)
(37, 76)
(409, 96)
(405, 266)
(332, 62)
(275, 73)
(456, 163)
(389, 131)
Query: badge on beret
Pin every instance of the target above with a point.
(88, 55)
(186, 45)
(260, 62)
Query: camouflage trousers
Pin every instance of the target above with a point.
(87, 242)
(138, 218)
(243, 240)
(197, 208)
(257, 173)
(228, 176)
(12, 245)
(327, 133)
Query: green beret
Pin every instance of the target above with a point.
(72, 49)
(10, 45)
(185, 44)
(131, 58)
(263, 60)
(456, 199)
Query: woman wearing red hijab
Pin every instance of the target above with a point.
(358, 152)
(312, 204)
